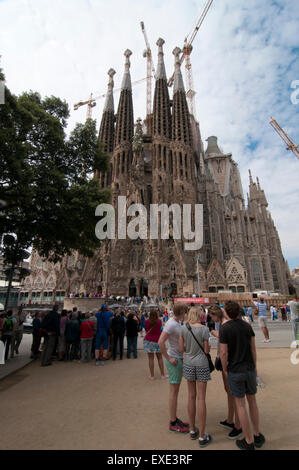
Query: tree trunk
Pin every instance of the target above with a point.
(12, 270)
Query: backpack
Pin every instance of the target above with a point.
(8, 325)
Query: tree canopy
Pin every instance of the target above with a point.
(46, 178)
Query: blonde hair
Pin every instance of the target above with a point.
(194, 315)
(180, 309)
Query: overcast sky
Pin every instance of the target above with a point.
(245, 60)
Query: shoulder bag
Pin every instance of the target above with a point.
(211, 365)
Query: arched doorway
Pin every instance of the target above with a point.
(132, 288)
(99, 289)
(143, 287)
(173, 289)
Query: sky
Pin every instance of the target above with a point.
(244, 61)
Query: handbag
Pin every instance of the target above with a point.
(208, 356)
(218, 364)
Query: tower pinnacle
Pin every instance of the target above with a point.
(109, 103)
(178, 79)
(126, 83)
(250, 177)
(161, 72)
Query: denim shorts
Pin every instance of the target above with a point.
(242, 383)
(101, 340)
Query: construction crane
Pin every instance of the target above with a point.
(91, 102)
(187, 49)
(150, 71)
(285, 137)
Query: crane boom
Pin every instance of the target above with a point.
(91, 102)
(285, 137)
(187, 49)
(199, 23)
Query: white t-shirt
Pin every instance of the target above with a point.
(294, 307)
(173, 330)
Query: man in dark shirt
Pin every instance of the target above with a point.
(238, 357)
(50, 329)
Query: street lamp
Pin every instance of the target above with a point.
(198, 274)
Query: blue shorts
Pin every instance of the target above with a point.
(102, 340)
(242, 383)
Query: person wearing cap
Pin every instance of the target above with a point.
(103, 324)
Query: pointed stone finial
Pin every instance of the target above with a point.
(250, 177)
(127, 54)
(161, 72)
(176, 52)
(258, 182)
(109, 103)
(111, 73)
(178, 83)
(126, 83)
(160, 43)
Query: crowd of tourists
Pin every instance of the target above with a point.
(76, 336)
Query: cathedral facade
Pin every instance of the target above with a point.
(162, 161)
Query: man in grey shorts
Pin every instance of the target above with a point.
(238, 358)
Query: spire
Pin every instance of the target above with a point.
(161, 72)
(161, 108)
(250, 177)
(258, 182)
(126, 83)
(124, 129)
(109, 102)
(181, 128)
(106, 132)
(178, 79)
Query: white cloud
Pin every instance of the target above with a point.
(244, 59)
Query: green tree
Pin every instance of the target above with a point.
(46, 178)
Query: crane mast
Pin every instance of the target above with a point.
(285, 137)
(150, 71)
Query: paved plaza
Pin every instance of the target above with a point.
(79, 406)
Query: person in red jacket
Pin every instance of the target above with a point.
(86, 337)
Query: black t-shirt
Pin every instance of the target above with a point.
(237, 335)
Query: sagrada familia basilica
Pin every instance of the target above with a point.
(163, 160)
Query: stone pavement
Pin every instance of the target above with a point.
(74, 406)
